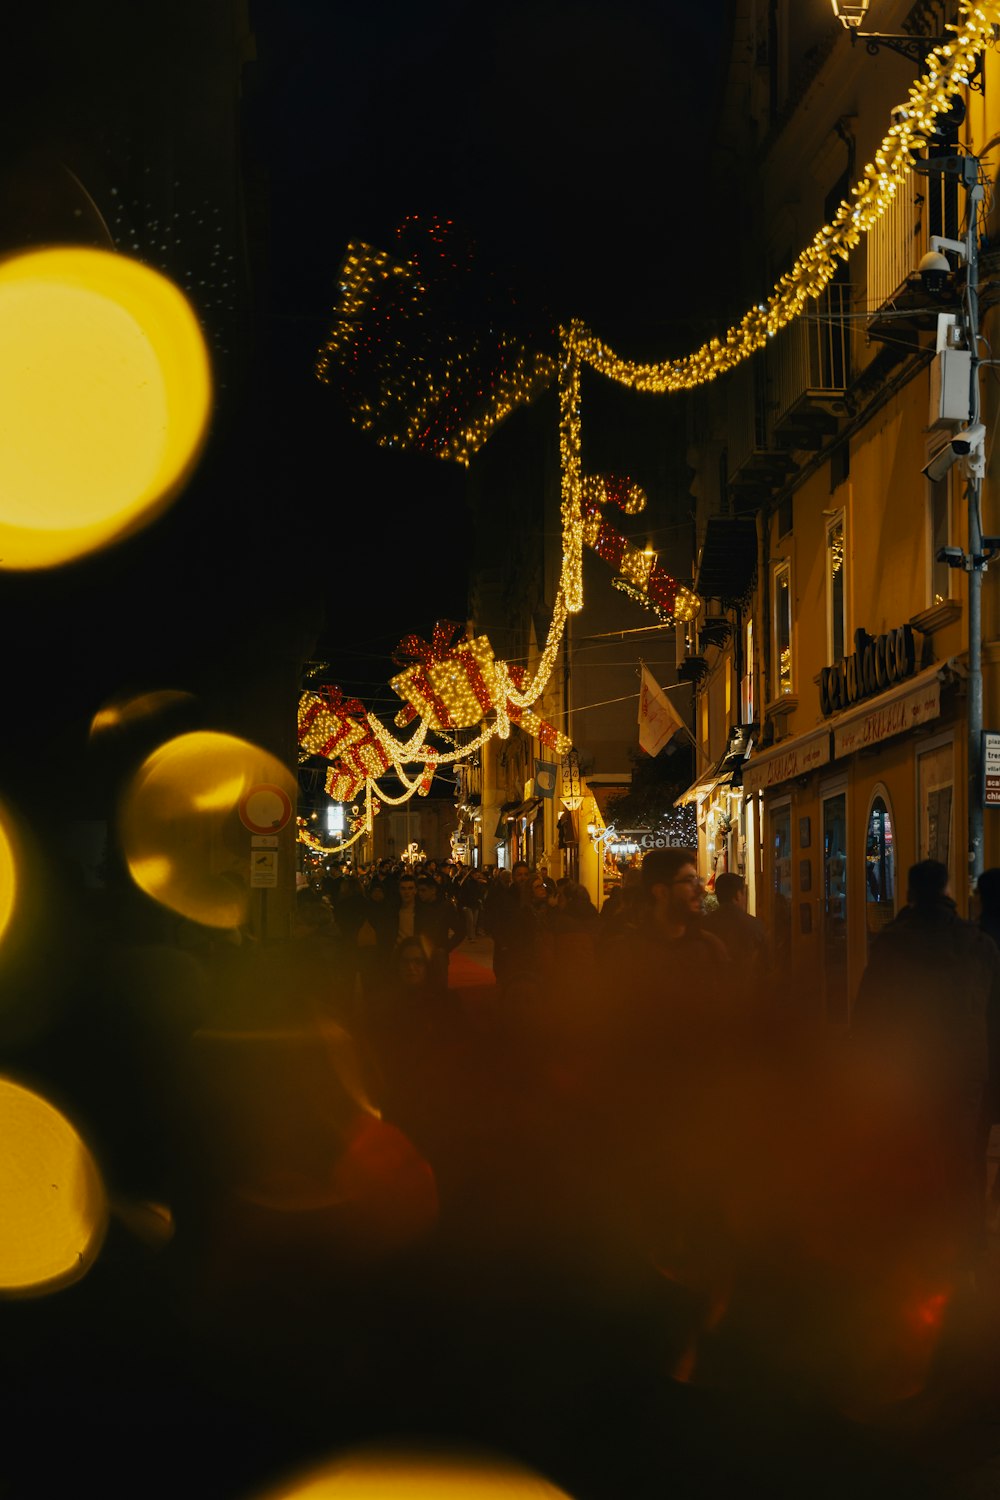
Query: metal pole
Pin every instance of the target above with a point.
(975, 554)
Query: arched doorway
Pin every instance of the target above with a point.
(880, 865)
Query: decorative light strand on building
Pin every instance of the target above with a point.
(948, 69)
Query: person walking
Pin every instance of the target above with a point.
(921, 1012)
(438, 924)
(743, 936)
(469, 892)
(513, 926)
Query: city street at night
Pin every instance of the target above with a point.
(500, 787)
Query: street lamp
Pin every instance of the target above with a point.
(851, 13)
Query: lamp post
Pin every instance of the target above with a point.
(968, 447)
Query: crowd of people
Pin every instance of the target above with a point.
(655, 1019)
(634, 1109)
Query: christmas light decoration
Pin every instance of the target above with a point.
(384, 357)
(329, 722)
(948, 68)
(307, 837)
(415, 370)
(539, 729)
(613, 489)
(665, 616)
(450, 686)
(511, 686)
(640, 575)
(342, 783)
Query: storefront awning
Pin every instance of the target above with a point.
(704, 787)
(520, 810)
(729, 769)
(915, 700)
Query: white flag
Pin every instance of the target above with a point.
(659, 721)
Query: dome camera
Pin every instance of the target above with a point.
(934, 271)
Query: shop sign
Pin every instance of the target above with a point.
(570, 772)
(801, 756)
(634, 840)
(918, 707)
(991, 768)
(876, 663)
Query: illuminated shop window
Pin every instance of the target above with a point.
(836, 594)
(783, 629)
(880, 868)
(747, 682)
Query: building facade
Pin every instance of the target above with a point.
(832, 678)
(550, 804)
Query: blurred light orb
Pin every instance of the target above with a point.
(180, 828)
(53, 1208)
(419, 1476)
(105, 395)
(126, 711)
(8, 874)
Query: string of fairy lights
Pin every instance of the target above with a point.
(415, 405)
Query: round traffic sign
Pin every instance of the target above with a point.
(265, 808)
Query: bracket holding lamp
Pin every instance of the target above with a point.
(851, 14)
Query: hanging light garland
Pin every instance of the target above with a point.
(370, 275)
(948, 69)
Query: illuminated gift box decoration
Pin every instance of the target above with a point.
(448, 686)
(329, 723)
(342, 783)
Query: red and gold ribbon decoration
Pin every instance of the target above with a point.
(329, 722)
(448, 685)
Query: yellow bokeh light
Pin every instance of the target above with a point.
(420, 1476)
(123, 712)
(180, 827)
(53, 1208)
(8, 874)
(105, 394)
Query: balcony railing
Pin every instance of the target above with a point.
(811, 358)
(922, 207)
(895, 245)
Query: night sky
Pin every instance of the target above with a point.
(562, 140)
(566, 143)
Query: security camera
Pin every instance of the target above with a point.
(937, 466)
(934, 271)
(969, 440)
(953, 556)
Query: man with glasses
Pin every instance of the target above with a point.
(673, 956)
